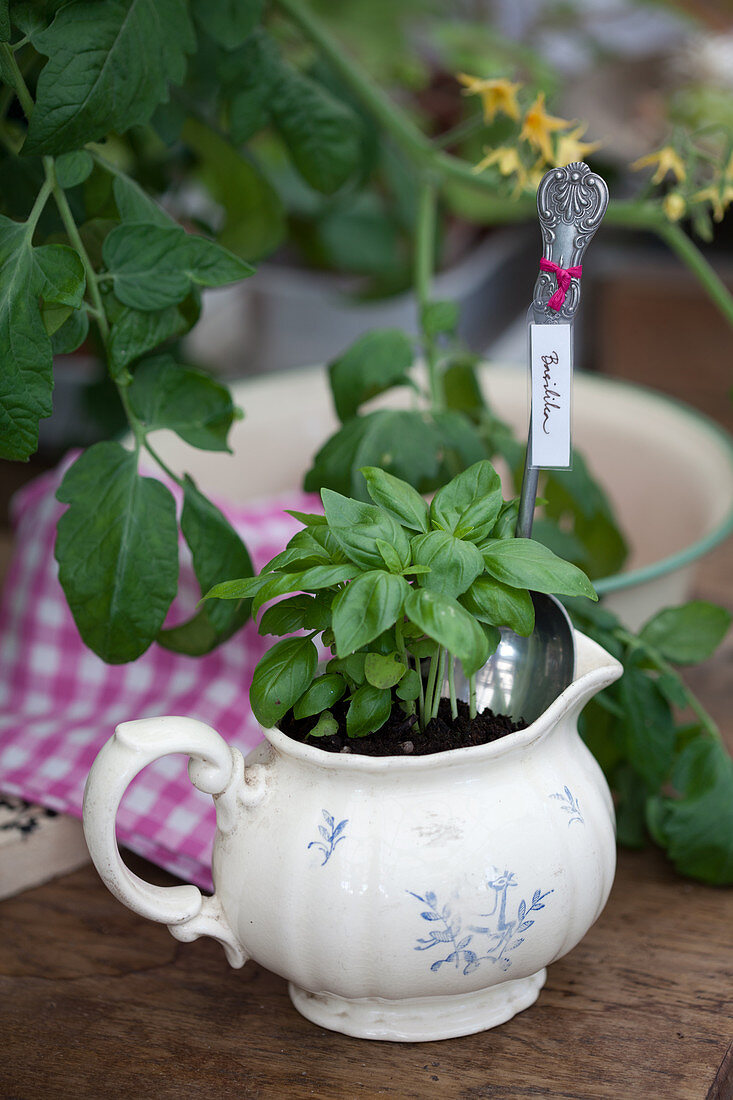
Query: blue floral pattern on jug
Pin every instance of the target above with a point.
(570, 805)
(331, 834)
(490, 942)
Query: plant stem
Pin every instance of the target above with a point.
(10, 65)
(75, 238)
(40, 201)
(691, 255)
(452, 687)
(439, 684)
(472, 708)
(430, 687)
(424, 265)
(662, 665)
(446, 168)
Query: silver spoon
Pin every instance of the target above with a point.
(525, 675)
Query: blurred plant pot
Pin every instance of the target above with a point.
(667, 469)
(288, 316)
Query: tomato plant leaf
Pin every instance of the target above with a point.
(117, 549)
(688, 634)
(376, 362)
(164, 394)
(109, 67)
(229, 22)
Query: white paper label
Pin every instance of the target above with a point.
(552, 377)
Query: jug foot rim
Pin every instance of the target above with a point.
(420, 1019)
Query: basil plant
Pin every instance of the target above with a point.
(393, 587)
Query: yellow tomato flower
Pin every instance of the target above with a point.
(674, 206)
(538, 126)
(570, 148)
(507, 159)
(666, 160)
(719, 198)
(497, 95)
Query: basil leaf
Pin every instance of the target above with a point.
(301, 612)
(326, 726)
(322, 694)
(396, 497)
(688, 634)
(322, 136)
(454, 565)
(164, 394)
(384, 670)
(500, 605)
(356, 527)
(524, 563)
(367, 607)
(280, 679)
(152, 266)
(218, 552)
(109, 67)
(369, 709)
(376, 362)
(469, 504)
(450, 625)
(117, 549)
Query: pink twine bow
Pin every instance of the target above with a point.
(563, 276)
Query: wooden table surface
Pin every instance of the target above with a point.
(97, 1002)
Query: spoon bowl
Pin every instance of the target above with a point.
(525, 675)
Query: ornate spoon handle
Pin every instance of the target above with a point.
(571, 203)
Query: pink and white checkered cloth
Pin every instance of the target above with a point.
(59, 702)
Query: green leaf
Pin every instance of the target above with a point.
(164, 394)
(397, 497)
(406, 443)
(109, 67)
(243, 588)
(460, 443)
(367, 607)
(450, 625)
(301, 612)
(4, 21)
(280, 679)
(322, 136)
(374, 363)
(152, 266)
(524, 563)
(54, 273)
(384, 670)
(254, 222)
(325, 576)
(500, 605)
(71, 334)
(469, 504)
(696, 828)
(649, 725)
(369, 709)
(134, 332)
(461, 388)
(73, 168)
(252, 85)
(228, 22)
(579, 505)
(352, 667)
(439, 318)
(218, 553)
(409, 686)
(688, 634)
(117, 549)
(322, 694)
(357, 526)
(326, 726)
(389, 556)
(454, 565)
(136, 206)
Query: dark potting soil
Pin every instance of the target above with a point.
(401, 736)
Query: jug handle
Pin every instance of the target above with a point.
(212, 767)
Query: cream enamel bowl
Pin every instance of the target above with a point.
(667, 469)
